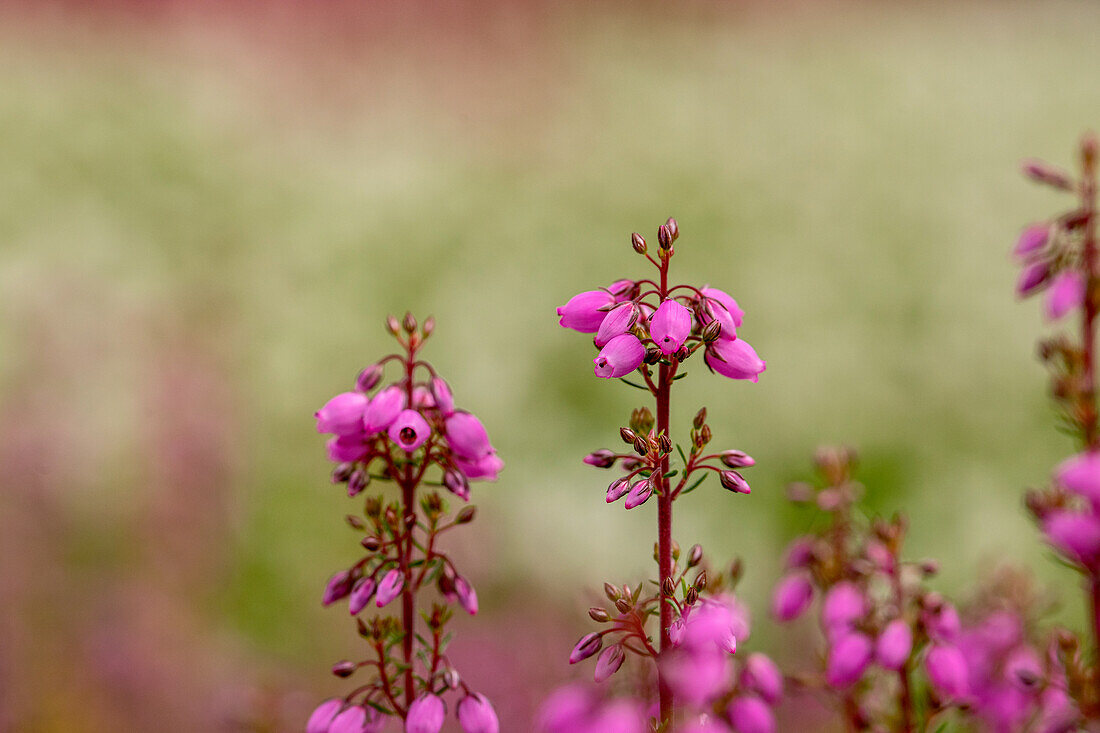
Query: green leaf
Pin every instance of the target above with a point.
(695, 484)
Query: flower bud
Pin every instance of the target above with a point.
(619, 357)
(844, 605)
(613, 594)
(358, 481)
(324, 713)
(627, 435)
(444, 400)
(847, 660)
(639, 243)
(609, 662)
(700, 418)
(700, 581)
(894, 644)
(339, 585)
(466, 515)
(344, 668)
(1041, 172)
(711, 332)
(691, 596)
(369, 378)
(390, 587)
(588, 645)
(668, 588)
(599, 615)
(639, 493)
(360, 595)
(457, 484)
(762, 676)
(737, 459)
(792, 595)
(695, 555)
(617, 489)
(476, 715)
(1067, 292)
(750, 714)
(425, 715)
(342, 473)
(467, 596)
(734, 482)
(673, 228)
(624, 605)
(408, 322)
(664, 443)
(946, 667)
(1032, 239)
(602, 458)
(664, 237)
(670, 326)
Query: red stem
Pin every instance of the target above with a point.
(408, 506)
(664, 520)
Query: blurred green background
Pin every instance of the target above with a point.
(206, 211)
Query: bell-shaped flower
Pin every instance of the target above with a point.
(639, 493)
(588, 645)
(943, 623)
(1032, 278)
(321, 717)
(894, 644)
(360, 595)
(697, 677)
(618, 321)
(338, 586)
(617, 716)
(735, 359)
(609, 661)
(1075, 535)
(566, 710)
(347, 448)
(444, 400)
(584, 311)
(390, 587)
(946, 667)
(761, 675)
(425, 715)
(383, 409)
(343, 414)
(352, 720)
(1081, 475)
(618, 489)
(670, 326)
(848, 658)
(409, 430)
(1032, 239)
(485, 468)
(621, 356)
(467, 596)
(620, 289)
(720, 306)
(476, 715)
(467, 436)
(792, 595)
(750, 714)
(1067, 291)
(843, 606)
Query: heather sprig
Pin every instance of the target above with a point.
(408, 434)
(645, 331)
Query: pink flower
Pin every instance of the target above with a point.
(467, 596)
(620, 289)
(343, 414)
(762, 676)
(750, 714)
(409, 430)
(487, 467)
(622, 355)
(352, 720)
(347, 448)
(735, 359)
(609, 662)
(467, 436)
(588, 645)
(698, 677)
(422, 398)
(617, 489)
(369, 378)
(618, 321)
(844, 605)
(715, 623)
(1031, 240)
(339, 585)
(1081, 475)
(1076, 535)
(670, 326)
(383, 409)
(894, 644)
(361, 594)
(639, 494)
(1033, 277)
(947, 671)
(390, 587)
(321, 717)
(735, 482)
(456, 483)
(425, 715)
(1067, 291)
(721, 306)
(943, 624)
(618, 716)
(582, 312)
(476, 715)
(793, 595)
(848, 658)
(566, 710)
(800, 552)
(444, 401)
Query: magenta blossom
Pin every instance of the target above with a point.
(352, 720)
(847, 660)
(476, 715)
(588, 645)
(1081, 475)
(1076, 535)
(360, 596)
(750, 714)
(1031, 240)
(1067, 291)
(383, 409)
(844, 604)
(487, 467)
(583, 311)
(670, 326)
(793, 595)
(721, 306)
(390, 587)
(618, 321)
(425, 715)
(444, 400)
(639, 493)
(339, 585)
(622, 355)
(467, 436)
(894, 644)
(946, 667)
(1032, 278)
(409, 430)
(343, 414)
(321, 717)
(467, 596)
(735, 359)
(347, 448)
(617, 489)
(608, 662)
(761, 675)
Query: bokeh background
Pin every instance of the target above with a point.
(207, 209)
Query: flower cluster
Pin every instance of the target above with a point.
(397, 433)
(877, 617)
(650, 328)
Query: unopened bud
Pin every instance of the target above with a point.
(712, 332)
(667, 587)
(371, 543)
(357, 482)
(599, 615)
(408, 323)
(652, 356)
(373, 507)
(691, 596)
(695, 556)
(1042, 172)
(704, 434)
(342, 473)
(734, 482)
(737, 459)
(611, 592)
(466, 515)
(700, 581)
(800, 492)
(624, 605)
(369, 378)
(392, 325)
(929, 567)
(627, 435)
(451, 678)
(700, 418)
(664, 237)
(344, 668)
(664, 443)
(588, 645)
(673, 228)
(641, 420)
(638, 242)
(675, 550)
(429, 327)
(641, 445)
(355, 522)
(602, 458)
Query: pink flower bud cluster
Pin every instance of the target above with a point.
(1071, 520)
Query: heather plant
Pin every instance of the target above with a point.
(410, 435)
(645, 331)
